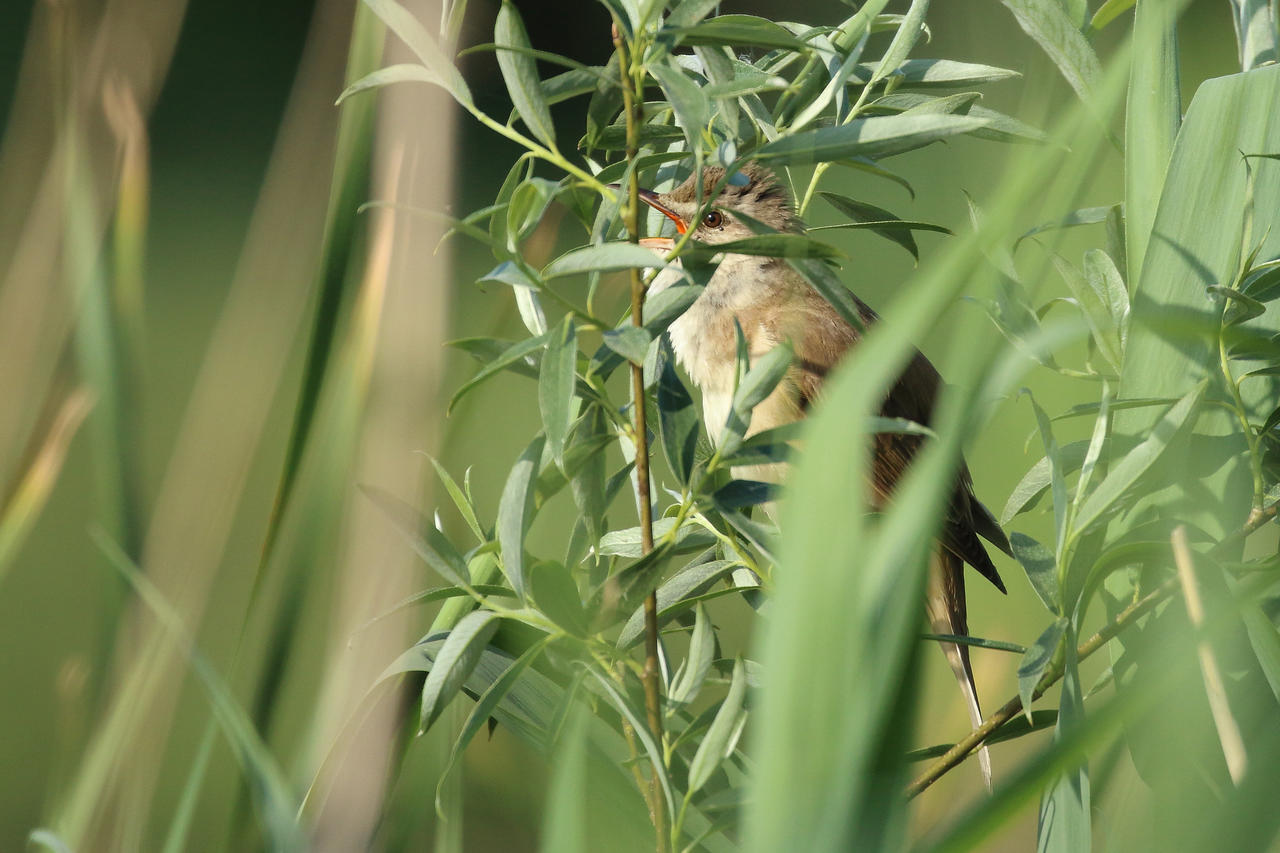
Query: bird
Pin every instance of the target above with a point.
(773, 304)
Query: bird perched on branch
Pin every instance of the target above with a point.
(773, 304)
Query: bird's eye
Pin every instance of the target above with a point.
(713, 219)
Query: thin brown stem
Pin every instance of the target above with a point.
(631, 216)
(1124, 618)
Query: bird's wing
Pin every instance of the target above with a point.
(912, 396)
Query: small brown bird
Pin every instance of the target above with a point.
(772, 303)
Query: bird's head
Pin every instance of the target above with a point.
(750, 194)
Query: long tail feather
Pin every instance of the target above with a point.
(947, 615)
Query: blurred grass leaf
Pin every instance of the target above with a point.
(556, 384)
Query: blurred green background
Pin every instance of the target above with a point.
(211, 134)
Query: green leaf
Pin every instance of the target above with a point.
(460, 500)
(938, 72)
(684, 585)
(1065, 825)
(1105, 279)
(977, 642)
(903, 40)
(453, 665)
(515, 512)
(626, 543)
(556, 383)
(427, 542)
(440, 70)
(1057, 480)
(759, 382)
(1108, 12)
(1127, 471)
(1039, 478)
(1036, 661)
(528, 205)
(488, 705)
(1041, 568)
(520, 73)
(409, 72)
(876, 137)
(556, 595)
(1047, 23)
(736, 31)
(605, 257)
(776, 245)
(679, 421)
(518, 357)
(688, 101)
(1096, 313)
(881, 221)
(722, 737)
(702, 648)
(630, 342)
(1083, 216)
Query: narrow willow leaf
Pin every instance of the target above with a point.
(1041, 568)
(881, 221)
(487, 705)
(515, 512)
(640, 730)
(903, 40)
(1065, 825)
(409, 72)
(1057, 481)
(556, 595)
(978, 642)
(528, 205)
(556, 383)
(1000, 127)
(520, 73)
(1105, 279)
(1101, 325)
(747, 80)
(683, 586)
(629, 342)
(460, 500)
(603, 258)
(457, 658)
(570, 84)
(440, 69)
(759, 382)
(1039, 478)
(688, 101)
(626, 543)
(877, 137)
(1083, 216)
(425, 539)
(702, 648)
(938, 72)
(1127, 471)
(1047, 23)
(737, 31)
(842, 68)
(766, 245)
(679, 420)
(515, 357)
(1108, 12)
(721, 738)
(1036, 661)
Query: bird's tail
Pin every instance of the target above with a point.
(947, 615)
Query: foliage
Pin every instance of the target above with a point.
(605, 655)
(1170, 336)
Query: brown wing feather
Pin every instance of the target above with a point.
(912, 396)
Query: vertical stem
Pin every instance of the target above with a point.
(633, 107)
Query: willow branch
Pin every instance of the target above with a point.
(633, 108)
(1139, 608)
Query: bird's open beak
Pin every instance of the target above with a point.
(662, 244)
